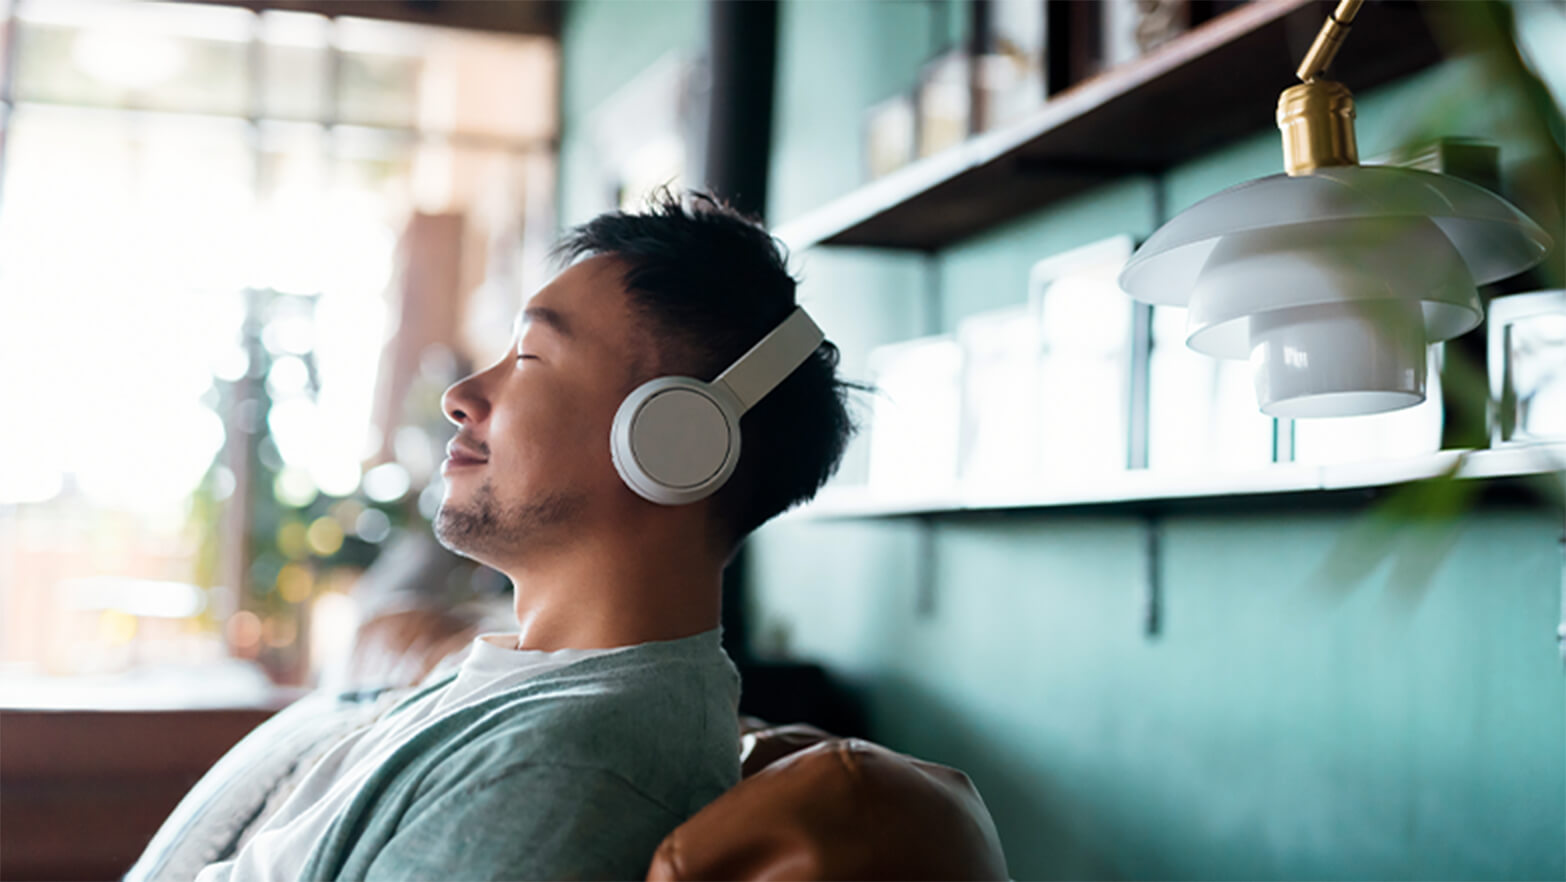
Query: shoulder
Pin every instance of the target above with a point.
(531, 821)
(678, 691)
(666, 724)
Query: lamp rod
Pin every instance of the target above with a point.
(1333, 32)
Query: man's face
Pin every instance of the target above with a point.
(540, 417)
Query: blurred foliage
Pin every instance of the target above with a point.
(294, 552)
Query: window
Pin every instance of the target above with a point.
(200, 215)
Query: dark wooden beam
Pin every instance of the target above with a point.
(742, 45)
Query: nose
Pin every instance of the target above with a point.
(464, 401)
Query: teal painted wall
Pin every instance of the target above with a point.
(605, 43)
(1310, 710)
(1283, 725)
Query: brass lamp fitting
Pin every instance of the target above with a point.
(1317, 122)
(1333, 32)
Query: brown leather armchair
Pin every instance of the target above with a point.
(813, 806)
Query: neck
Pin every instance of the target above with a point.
(607, 593)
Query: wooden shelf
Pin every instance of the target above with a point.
(1141, 488)
(1200, 91)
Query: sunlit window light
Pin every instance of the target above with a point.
(149, 233)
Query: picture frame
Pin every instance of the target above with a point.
(1527, 368)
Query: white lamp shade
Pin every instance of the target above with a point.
(1254, 272)
(1334, 282)
(1492, 237)
(1338, 359)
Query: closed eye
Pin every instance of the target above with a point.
(520, 357)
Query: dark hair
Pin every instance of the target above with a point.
(714, 281)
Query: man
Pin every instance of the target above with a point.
(570, 748)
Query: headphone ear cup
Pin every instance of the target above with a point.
(675, 440)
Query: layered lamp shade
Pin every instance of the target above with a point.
(1333, 278)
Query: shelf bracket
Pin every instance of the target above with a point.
(1153, 582)
(1560, 628)
(925, 587)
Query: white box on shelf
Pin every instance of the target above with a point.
(1002, 404)
(1527, 367)
(1084, 382)
(1202, 412)
(914, 418)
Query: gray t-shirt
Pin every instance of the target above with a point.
(519, 765)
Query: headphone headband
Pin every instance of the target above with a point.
(771, 360)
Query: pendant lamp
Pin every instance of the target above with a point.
(1333, 277)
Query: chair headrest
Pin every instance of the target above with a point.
(835, 808)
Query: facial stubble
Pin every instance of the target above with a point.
(485, 530)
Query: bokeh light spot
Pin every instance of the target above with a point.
(347, 513)
(116, 628)
(387, 482)
(291, 540)
(295, 582)
(279, 631)
(244, 632)
(373, 525)
(325, 536)
(294, 487)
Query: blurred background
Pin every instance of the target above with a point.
(245, 246)
(243, 253)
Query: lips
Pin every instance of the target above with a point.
(461, 454)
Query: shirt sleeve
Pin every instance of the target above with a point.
(530, 821)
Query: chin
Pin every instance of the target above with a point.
(487, 531)
(463, 516)
(462, 531)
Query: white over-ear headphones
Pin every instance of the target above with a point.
(677, 439)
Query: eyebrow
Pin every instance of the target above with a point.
(550, 318)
